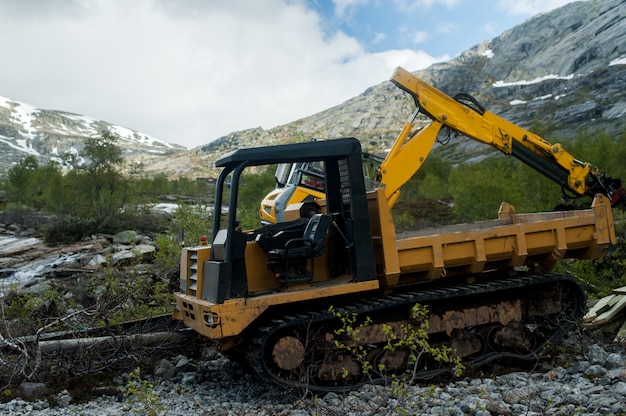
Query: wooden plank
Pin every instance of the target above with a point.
(601, 306)
(611, 313)
(613, 301)
(621, 334)
(620, 291)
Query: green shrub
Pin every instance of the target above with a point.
(413, 336)
(599, 277)
(142, 391)
(167, 259)
(69, 229)
(121, 296)
(25, 313)
(189, 222)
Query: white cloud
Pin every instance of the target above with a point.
(419, 37)
(185, 72)
(489, 28)
(408, 5)
(379, 37)
(530, 7)
(447, 27)
(343, 7)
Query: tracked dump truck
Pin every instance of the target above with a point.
(266, 295)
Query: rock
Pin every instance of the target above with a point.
(228, 391)
(63, 399)
(498, 407)
(597, 355)
(38, 288)
(620, 388)
(332, 399)
(6, 272)
(122, 257)
(614, 361)
(141, 252)
(32, 391)
(165, 370)
(515, 396)
(97, 260)
(595, 371)
(96, 247)
(189, 378)
(128, 237)
(210, 353)
(184, 365)
(581, 367)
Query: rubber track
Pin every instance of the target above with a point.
(366, 307)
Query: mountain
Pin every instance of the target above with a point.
(565, 69)
(58, 136)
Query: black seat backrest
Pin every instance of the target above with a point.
(290, 262)
(315, 232)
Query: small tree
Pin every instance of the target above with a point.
(21, 186)
(51, 189)
(106, 190)
(103, 152)
(189, 223)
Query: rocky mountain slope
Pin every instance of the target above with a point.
(565, 69)
(58, 136)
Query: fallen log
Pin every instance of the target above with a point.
(115, 341)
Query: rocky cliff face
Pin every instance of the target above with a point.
(565, 69)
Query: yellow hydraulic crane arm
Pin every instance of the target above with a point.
(406, 157)
(476, 123)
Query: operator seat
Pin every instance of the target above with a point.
(289, 263)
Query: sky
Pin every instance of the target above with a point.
(191, 71)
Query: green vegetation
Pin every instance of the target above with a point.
(411, 337)
(94, 198)
(99, 198)
(252, 189)
(142, 391)
(111, 299)
(477, 190)
(410, 340)
(599, 277)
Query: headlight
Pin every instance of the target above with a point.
(211, 319)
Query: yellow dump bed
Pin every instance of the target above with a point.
(513, 240)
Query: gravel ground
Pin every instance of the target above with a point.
(591, 383)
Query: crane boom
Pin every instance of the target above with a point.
(473, 121)
(464, 115)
